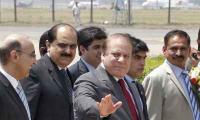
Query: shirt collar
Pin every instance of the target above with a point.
(10, 78)
(117, 79)
(177, 70)
(89, 67)
(129, 79)
(48, 54)
(62, 68)
(59, 68)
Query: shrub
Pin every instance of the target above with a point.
(151, 63)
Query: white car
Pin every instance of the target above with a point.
(165, 4)
(84, 4)
(24, 3)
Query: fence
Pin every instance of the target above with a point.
(42, 12)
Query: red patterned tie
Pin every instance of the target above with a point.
(129, 99)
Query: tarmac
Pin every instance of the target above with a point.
(152, 36)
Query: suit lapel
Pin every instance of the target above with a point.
(175, 80)
(112, 85)
(13, 94)
(119, 94)
(136, 96)
(82, 67)
(53, 71)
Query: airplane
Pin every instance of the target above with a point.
(165, 4)
(83, 4)
(24, 3)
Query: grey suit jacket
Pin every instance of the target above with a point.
(77, 69)
(91, 87)
(47, 92)
(11, 106)
(166, 99)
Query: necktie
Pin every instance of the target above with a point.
(193, 101)
(129, 99)
(67, 81)
(22, 96)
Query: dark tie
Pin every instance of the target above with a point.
(129, 99)
(192, 98)
(67, 81)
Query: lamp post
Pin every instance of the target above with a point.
(0, 10)
(169, 12)
(129, 12)
(15, 10)
(91, 12)
(53, 10)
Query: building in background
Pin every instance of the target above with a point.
(165, 4)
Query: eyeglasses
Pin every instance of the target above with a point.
(33, 55)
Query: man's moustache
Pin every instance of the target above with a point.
(65, 55)
(174, 56)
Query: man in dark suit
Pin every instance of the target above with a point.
(198, 40)
(139, 55)
(17, 54)
(48, 87)
(42, 43)
(103, 93)
(90, 42)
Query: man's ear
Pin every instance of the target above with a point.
(82, 49)
(47, 43)
(190, 50)
(14, 56)
(164, 48)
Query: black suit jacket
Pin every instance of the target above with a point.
(47, 92)
(143, 98)
(92, 86)
(11, 106)
(77, 69)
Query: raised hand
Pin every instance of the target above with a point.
(106, 106)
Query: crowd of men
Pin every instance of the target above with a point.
(102, 85)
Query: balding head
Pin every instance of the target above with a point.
(61, 44)
(117, 36)
(17, 55)
(117, 55)
(12, 42)
(56, 29)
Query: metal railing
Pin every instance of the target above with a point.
(47, 11)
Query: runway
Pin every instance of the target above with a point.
(152, 36)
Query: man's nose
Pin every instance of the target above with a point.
(68, 49)
(121, 59)
(34, 60)
(178, 52)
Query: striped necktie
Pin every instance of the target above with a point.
(129, 99)
(22, 96)
(193, 101)
(67, 81)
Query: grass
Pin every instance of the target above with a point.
(151, 63)
(41, 16)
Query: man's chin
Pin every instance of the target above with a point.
(178, 59)
(66, 58)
